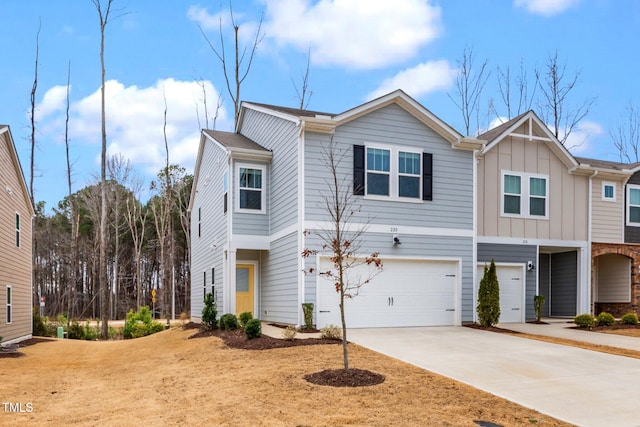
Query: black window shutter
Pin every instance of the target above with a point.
(427, 176)
(358, 170)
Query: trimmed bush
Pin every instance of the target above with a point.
(289, 333)
(538, 304)
(331, 332)
(489, 297)
(229, 322)
(630, 319)
(244, 318)
(75, 331)
(253, 329)
(584, 320)
(140, 324)
(209, 313)
(39, 326)
(307, 310)
(606, 319)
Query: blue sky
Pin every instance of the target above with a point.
(359, 49)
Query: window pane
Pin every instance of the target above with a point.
(537, 206)
(378, 184)
(225, 182)
(512, 204)
(409, 163)
(512, 184)
(608, 191)
(17, 221)
(634, 214)
(377, 159)
(250, 199)
(409, 186)
(538, 187)
(242, 280)
(8, 295)
(250, 178)
(634, 196)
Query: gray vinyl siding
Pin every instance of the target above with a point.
(514, 254)
(281, 137)
(564, 283)
(279, 282)
(544, 263)
(206, 248)
(393, 126)
(412, 247)
(250, 223)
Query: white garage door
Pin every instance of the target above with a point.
(405, 293)
(511, 283)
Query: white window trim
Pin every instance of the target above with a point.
(263, 190)
(18, 235)
(9, 305)
(394, 174)
(604, 185)
(525, 195)
(628, 205)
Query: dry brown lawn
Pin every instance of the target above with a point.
(168, 379)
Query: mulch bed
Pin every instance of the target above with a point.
(607, 328)
(490, 328)
(330, 377)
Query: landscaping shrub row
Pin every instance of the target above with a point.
(604, 319)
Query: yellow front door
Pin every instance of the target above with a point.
(244, 288)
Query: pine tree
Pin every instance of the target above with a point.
(489, 297)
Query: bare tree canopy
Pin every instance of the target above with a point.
(514, 92)
(304, 93)
(626, 134)
(555, 105)
(236, 72)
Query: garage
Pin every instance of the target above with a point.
(511, 282)
(405, 293)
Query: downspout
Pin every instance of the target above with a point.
(589, 241)
(474, 258)
(301, 219)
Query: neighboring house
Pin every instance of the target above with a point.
(615, 249)
(533, 220)
(16, 212)
(257, 202)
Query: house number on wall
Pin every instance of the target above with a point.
(393, 229)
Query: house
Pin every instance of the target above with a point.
(16, 212)
(615, 247)
(534, 220)
(257, 203)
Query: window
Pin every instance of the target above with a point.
(251, 195)
(199, 223)
(17, 230)
(609, 191)
(524, 195)
(633, 205)
(393, 173)
(225, 191)
(204, 287)
(9, 304)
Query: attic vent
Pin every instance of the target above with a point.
(322, 116)
(9, 191)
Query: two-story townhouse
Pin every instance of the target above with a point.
(16, 212)
(615, 231)
(257, 203)
(533, 220)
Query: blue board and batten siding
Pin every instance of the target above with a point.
(514, 254)
(451, 207)
(208, 228)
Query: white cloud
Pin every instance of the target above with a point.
(580, 141)
(546, 7)
(135, 121)
(365, 34)
(420, 80)
(202, 17)
(53, 100)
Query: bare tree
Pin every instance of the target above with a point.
(136, 217)
(555, 105)
(219, 101)
(236, 73)
(626, 135)
(342, 240)
(469, 85)
(514, 92)
(103, 13)
(304, 94)
(33, 113)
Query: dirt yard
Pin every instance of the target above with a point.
(168, 379)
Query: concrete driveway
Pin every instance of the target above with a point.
(582, 387)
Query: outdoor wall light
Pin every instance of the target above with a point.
(530, 265)
(396, 240)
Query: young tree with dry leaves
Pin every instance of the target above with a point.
(342, 242)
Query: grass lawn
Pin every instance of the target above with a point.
(168, 379)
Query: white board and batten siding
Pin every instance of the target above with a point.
(407, 292)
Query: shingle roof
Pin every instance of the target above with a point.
(606, 164)
(491, 134)
(292, 111)
(234, 140)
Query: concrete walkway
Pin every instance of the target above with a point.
(582, 387)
